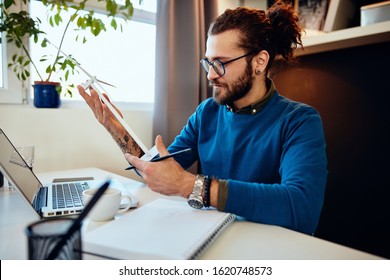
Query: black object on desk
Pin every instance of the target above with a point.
(77, 223)
(164, 157)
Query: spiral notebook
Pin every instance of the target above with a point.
(162, 229)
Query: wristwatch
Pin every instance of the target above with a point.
(195, 199)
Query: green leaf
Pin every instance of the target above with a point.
(130, 11)
(51, 22)
(114, 24)
(43, 58)
(109, 5)
(57, 19)
(80, 21)
(95, 28)
(20, 59)
(8, 3)
(59, 89)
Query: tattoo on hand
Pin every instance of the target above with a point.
(128, 145)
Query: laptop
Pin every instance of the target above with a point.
(59, 198)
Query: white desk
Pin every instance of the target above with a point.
(242, 240)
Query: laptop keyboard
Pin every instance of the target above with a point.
(67, 195)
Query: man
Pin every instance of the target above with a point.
(262, 156)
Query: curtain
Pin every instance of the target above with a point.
(181, 84)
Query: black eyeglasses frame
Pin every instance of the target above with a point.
(206, 63)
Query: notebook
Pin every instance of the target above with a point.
(161, 229)
(59, 198)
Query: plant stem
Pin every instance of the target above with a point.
(29, 57)
(60, 46)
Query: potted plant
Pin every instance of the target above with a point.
(19, 27)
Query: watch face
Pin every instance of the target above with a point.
(195, 203)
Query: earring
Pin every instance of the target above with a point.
(258, 71)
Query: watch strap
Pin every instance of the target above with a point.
(207, 191)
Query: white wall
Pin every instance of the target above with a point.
(68, 137)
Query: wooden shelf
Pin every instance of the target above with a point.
(345, 38)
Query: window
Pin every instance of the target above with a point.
(125, 59)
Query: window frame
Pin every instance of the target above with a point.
(13, 90)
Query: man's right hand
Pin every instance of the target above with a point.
(100, 110)
(109, 121)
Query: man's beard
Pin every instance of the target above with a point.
(235, 91)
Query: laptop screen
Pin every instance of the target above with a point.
(16, 169)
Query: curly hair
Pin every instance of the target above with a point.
(276, 30)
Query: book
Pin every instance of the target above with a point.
(340, 15)
(312, 14)
(161, 229)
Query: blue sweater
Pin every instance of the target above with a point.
(274, 161)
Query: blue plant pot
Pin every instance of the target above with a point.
(46, 95)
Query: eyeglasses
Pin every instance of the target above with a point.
(219, 66)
